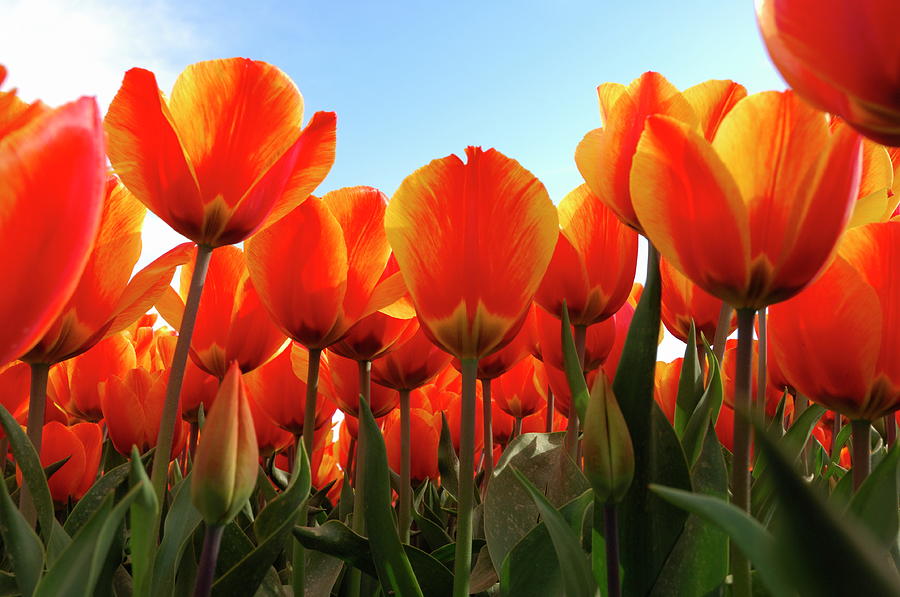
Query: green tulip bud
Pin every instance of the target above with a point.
(608, 453)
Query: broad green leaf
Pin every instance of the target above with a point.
(76, 571)
(91, 501)
(650, 525)
(698, 563)
(32, 472)
(448, 462)
(752, 538)
(690, 383)
(795, 438)
(531, 568)
(8, 586)
(875, 502)
(272, 528)
(578, 578)
(705, 414)
(509, 512)
(394, 569)
(322, 571)
(182, 520)
(574, 372)
(849, 562)
(21, 544)
(143, 517)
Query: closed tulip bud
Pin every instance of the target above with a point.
(608, 453)
(224, 473)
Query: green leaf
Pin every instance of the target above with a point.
(144, 531)
(322, 571)
(8, 586)
(509, 512)
(690, 383)
(875, 502)
(21, 544)
(698, 563)
(272, 528)
(705, 413)
(94, 498)
(574, 372)
(32, 472)
(76, 572)
(182, 520)
(531, 568)
(394, 569)
(849, 562)
(795, 438)
(750, 536)
(448, 462)
(650, 525)
(578, 578)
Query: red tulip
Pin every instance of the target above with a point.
(374, 336)
(683, 302)
(225, 155)
(345, 389)
(665, 390)
(599, 341)
(82, 444)
(270, 438)
(729, 360)
(15, 381)
(425, 435)
(113, 356)
(521, 391)
(413, 363)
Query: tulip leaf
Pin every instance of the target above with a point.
(21, 544)
(578, 579)
(322, 571)
(509, 512)
(705, 412)
(95, 496)
(32, 472)
(690, 383)
(653, 525)
(531, 567)
(698, 563)
(78, 568)
(574, 370)
(272, 528)
(875, 502)
(143, 517)
(182, 520)
(391, 562)
(850, 562)
(448, 462)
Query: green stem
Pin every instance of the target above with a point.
(463, 559)
(176, 374)
(405, 516)
(571, 439)
(890, 430)
(359, 493)
(488, 450)
(862, 455)
(835, 430)
(206, 569)
(761, 373)
(312, 390)
(723, 326)
(611, 534)
(37, 403)
(550, 407)
(517, 429)
(740, 472)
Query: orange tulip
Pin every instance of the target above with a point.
(345, 389)
(15, 380)
(747, 228)
(521, 391)
(199, 388)
(599, 340)
(113, 356)
(876, 200)
(425, 435)
(412, 364)
(374, 336)
(840, 57)
(270, 438)
(225, 155)
(501, 361)
(622, 321)
(326, 466)
(836, 341)
(729, 360)
(473, 241)
(333, 277)
(82, 444)
(232, 324)
(278, 388)
(593, 265)
(132, 406)
(52, 170)
(683, 302)
(559, 385)
(665, 389)
(107, 299)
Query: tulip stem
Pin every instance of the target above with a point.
(740, 471)
(312, 391)
(761, 370)
(405, 516)
(463, 557)
(890, 430)
(517, 429)
(723, 326)
(359, 489)
(550, 406)
(37, 403)
(176, 374)
(206, 569)
(488, 452)
(571, 440)
(611, 535)
(862, 455)
(835, 430)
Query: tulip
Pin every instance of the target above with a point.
(425, 431)
(15, 379)
(521, 391)
(82, 444)
(454, 228)
(80, 393)
(729, 375)
(346, 388)
(665, 390)
(599, 340)
(52, 170)
(232, 324)
(412, 364)
(839, 57)
(270, 438)
(684, 302)
(877, 199)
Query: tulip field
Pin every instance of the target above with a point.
(455, 390)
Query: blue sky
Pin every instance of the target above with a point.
(410, 81)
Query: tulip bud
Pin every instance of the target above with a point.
(224, 473)
(608, 453)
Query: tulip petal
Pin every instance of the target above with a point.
(691, 207)
(711, 101)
